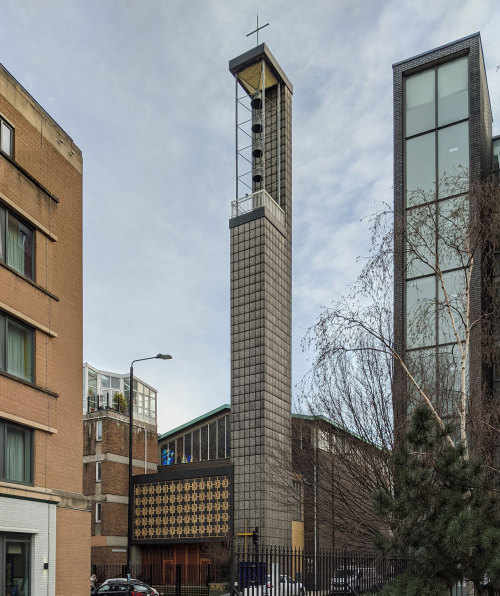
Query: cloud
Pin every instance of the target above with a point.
(144, 90)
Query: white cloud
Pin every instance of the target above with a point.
(145, 91)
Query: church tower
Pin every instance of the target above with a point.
(261, 275)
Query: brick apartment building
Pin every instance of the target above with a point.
(44, 522)
(105, 455)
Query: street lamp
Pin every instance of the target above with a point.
(130, 450)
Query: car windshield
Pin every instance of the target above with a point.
(345, 573)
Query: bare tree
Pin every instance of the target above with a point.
(452, 246)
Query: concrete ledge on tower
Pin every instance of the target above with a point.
(256, 205)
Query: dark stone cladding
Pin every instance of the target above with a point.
(186, 471)
(256, 214)
(479, 163)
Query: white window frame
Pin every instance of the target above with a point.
(98, 471)
(98, 431)
(97, 513)
(7, 124)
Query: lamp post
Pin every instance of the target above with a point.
(130, 449)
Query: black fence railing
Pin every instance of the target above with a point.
(274, 571)
(172, 579)
(271, 571)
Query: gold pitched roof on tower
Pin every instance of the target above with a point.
(248, 69)
(251, 78)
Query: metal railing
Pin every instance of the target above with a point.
(275, 571)
(171, 579)
(114, 400)
(261, 198)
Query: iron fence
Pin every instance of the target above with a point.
(171, 579)
(274, 571)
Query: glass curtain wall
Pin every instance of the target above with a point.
(108, 391)
(210, 441)
(436, 216)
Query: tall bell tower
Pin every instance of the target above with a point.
(261, 299)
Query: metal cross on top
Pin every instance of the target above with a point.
(257, 30)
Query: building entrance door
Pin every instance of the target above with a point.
(14, 552)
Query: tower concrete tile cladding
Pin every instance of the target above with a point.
(261, 264)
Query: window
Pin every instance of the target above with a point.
(453, 159)
(496, 153)
(16, 348)
(420, 169)
(437, 131)
(228, 437)
(6, 137)
(452, 91)
(196, 444)
(97, 513)
(168, 454)
(187, 449)
(15, 550)
(179, 450)
(93, 403)
(98, 432)
(212, 440)
(420, 98)
(98, 466)
(16, 243)
(437, 214)
(221, 438)
(298, 509)
(204, 443)
(420, 310)
(16, 453)
(144, 400)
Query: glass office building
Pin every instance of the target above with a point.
(442, 144)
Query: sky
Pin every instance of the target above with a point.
(143, 88)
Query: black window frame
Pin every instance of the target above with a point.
(3, 239)
(28, 451)
(3, 346)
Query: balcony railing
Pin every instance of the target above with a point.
(108, 400)
(113, 400)
(258, 199)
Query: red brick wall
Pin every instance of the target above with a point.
(114, 520)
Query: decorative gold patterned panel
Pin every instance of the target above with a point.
(176, 509)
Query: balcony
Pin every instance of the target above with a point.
(258, 199)
(115, 401)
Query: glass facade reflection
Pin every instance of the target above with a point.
(436, 160)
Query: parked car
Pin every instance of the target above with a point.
(120, 586)
(343, 581)
(287, 587)
(355, 580)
